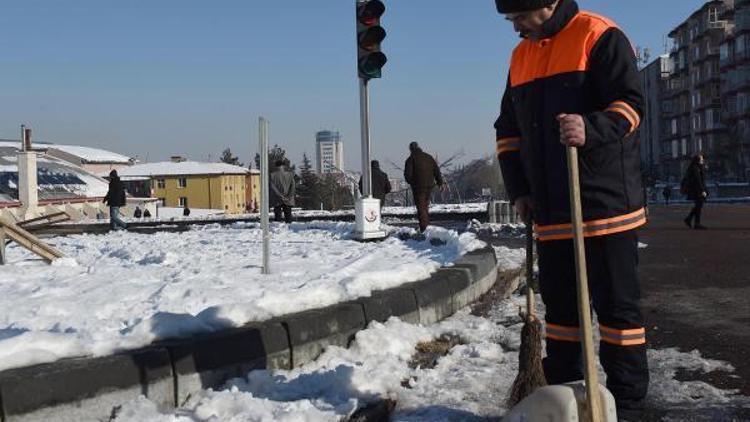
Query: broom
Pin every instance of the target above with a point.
(530, 372)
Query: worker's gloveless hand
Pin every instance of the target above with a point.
(524, 207)
(572, 130)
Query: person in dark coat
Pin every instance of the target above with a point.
(146, 213)
(137, 213)
(115, 198)
(422, 173)
(186, 211)
(282, 192)
(667, 193)
(694, 186)
(380, 183)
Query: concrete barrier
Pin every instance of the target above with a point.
(384, 304)
(310, 332)
(171, 371)
(208, 361)
(86, 389)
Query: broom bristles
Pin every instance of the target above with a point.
(530, 371)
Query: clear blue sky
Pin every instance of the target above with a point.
(153, 78)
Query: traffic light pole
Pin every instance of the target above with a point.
(367, 208)
(364, 117)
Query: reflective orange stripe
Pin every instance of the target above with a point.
(593, 228)
(508, 144)
(562, 333)
(535, 60)
(624, 109)
(627, 337)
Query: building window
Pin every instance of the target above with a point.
(162, 202)
(182, 182)
(709, 119)
(675, 152)
(674, 126)
(700, 144)
(684, 146)
(161, 183)
(183, 202)
(713, 15)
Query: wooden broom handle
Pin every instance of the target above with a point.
(584, 311)
(530, 308)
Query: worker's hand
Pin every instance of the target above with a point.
(572, 130)
(705, 194)
(524, 207)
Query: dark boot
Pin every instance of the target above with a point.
(689, 221)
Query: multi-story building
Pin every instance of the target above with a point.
(735, 92)
(329, 152)
(692, 99)
(194, 184)
(654, 79)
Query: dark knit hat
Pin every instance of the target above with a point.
(516, 6)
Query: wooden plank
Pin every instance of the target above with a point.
(2, 246)
(29, 241)
(44, 221)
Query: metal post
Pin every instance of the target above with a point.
(23, 137)
(263, 136)
(364, 116)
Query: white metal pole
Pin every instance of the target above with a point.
(263, 136)
(364, 115)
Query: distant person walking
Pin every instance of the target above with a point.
(186, 211)
(694, 186)
(380, 183)
(137, 213)
(146, 213)
(422, 173)
(667, 193)
(282, 192)
(115, 198)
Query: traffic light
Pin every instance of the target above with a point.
(370, 60)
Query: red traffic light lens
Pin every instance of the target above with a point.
(369, 12)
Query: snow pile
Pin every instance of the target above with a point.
(471, 383)
(124, 290)
(471, 207)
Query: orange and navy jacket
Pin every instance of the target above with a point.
(584, 65)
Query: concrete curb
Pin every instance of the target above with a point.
(170, 372)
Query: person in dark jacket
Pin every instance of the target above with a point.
(115, 198)
(422, 173)
(573, 82)
(282, 192)
(667, 193)
(696, 191)
(186, 211)
(137, 213)
(380, 183)
(146, 213)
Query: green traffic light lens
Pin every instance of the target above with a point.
(371, 64)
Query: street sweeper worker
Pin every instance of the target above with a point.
(573, 81)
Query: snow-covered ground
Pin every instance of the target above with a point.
(471, 383)
(124, 290)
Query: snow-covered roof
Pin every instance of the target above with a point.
(92, 155)
(87, 154)
(56, 177)
(184, 168)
